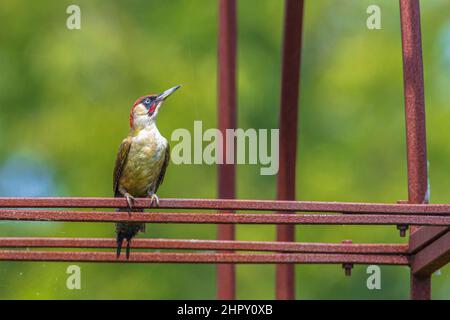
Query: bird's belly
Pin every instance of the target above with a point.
(142, 170)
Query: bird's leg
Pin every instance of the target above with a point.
(154, 198)
(130, 200)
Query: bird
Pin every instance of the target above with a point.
(141, 162)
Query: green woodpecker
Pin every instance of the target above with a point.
(141, 162)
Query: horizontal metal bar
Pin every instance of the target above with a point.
(246, 218)
(433, 257)
(169, 257)
(425, 236)
(230, 204)
(205, 245)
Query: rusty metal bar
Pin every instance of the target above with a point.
(425, 236)
(290, 80)
(226, 278)
(230, 204)
(169, 257)
(415, 120)
(222, 218)
(420, 287)
(414, 101)
(191, 244)
(432, 258)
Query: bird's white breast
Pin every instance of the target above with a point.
(144, 162)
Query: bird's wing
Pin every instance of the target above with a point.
(121, 159)
(164, 167)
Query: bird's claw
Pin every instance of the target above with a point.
(154, 198)
(130, 200)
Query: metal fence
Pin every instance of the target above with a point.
(429, 241)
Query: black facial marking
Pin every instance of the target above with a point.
(148, 101)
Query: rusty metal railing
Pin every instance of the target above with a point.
(423, 255)
(328, 213)
(226, 218)
(290, 83)
(226, 119)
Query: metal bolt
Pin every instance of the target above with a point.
(347, 266)
(402, 228)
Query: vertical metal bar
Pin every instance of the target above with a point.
(420, 287)
(290, 79)
(415, 120)
(226, 278)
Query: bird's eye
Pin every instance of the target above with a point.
(147, 101)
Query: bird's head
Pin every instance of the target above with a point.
(145, 110)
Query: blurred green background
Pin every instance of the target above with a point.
(65, 97)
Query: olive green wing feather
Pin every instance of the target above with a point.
(121, 159)
(164, 167)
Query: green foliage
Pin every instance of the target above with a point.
(65, 97)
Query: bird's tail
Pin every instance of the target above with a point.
(127, 230)
(120, 238)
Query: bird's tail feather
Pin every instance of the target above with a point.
(119, 243)
(127, 230)
(128, 249)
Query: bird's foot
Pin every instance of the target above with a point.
(130, 200)
(154, 198)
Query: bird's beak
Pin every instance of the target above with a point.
(167, 93)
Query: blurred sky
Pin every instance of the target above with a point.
(65, 97)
